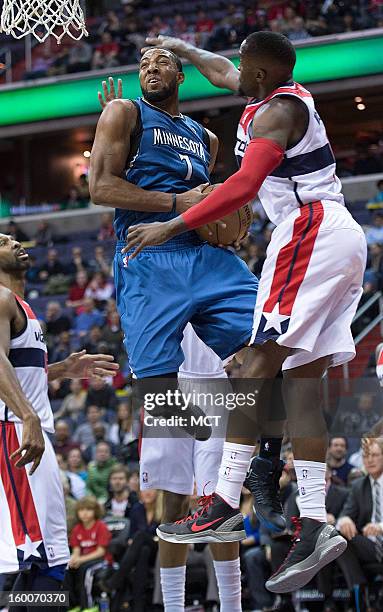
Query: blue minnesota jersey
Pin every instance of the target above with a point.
(169, 154)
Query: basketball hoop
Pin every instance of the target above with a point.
(42, 18)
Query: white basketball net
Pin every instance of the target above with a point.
(42, 18)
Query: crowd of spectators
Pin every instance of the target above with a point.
(117, 36)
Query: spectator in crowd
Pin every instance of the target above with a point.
(101, 393)
(80, 56)
(297, 30)
(106, 230)
(82, 184)
(40, 65)
(367, 161)
(74, 403)
(377, 201)
(100, 289)
(44, 235)
(145, 517)
(52, 266)
(32, 274)
(105, 55)
(337, 462)
(62, 442)
(62, 349)
(88, 317)
(100, 263)
(74, 200)
(361, 519)
(99, 435)
(121, 499)
(59, 63)
(83, 434)
(92, 340)
(88, 540)
(110, 24)
(204, 26)
(124, 435)
(374, 233)
(16, 232)
(158, 27)
(134, 481)
(78, 262)
(355, 420)
(99, 471)
(76, 464)
(76, 293)
(70, 502)
(55, 321)
(113, 335)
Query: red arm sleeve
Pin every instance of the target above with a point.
(261, 158)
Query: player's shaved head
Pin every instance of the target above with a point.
(272, 48)
(267, 61)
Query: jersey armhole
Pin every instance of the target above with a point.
(20, 333)
(135, 136)
(206, 139)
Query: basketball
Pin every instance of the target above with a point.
(237, 225)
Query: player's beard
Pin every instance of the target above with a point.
(162, 94)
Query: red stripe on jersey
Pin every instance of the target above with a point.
(18, 492)
(380, 358)
(28, 310)
(294, 258)
(252, 107)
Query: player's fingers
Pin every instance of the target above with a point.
(221, 223)
(119, 88)
(105, 90)
(36, 464)
(111, 87)
(137, 250)
(101, 372)
(202, 187)
(101, 100)
(100, 357)
(153, 40)
(16, 453)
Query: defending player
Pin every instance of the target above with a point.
(162, 153)
(33, 534)
(310, 285)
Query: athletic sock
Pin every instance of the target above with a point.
(173, 588)
(311, 479)
(228, 575)
(270, 448)
(232, 472)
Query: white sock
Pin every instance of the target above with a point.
(311, 478)
(173, 588)
(232, 472)
(229, 585)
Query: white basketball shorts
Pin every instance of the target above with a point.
(311, 284)
(32, 510)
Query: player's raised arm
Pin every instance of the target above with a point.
(219, 70)
(12, 394)
(107, 163)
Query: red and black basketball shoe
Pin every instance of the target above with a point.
(315, 544)
(214, 521)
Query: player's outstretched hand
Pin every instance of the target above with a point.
(82, 365)
(148, 234)
(109, 94)
(32, 444)
(177, 45)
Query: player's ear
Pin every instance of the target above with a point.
(180, 78)
(260, 75)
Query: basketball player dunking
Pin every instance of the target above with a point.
(310, 284)
(33, 534)
(165, 288)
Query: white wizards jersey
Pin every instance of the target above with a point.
(28, 355)
(307, 171)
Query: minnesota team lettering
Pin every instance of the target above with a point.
(161, 137)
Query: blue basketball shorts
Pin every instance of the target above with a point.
(165, 287)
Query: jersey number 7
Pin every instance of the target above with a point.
(189, 166)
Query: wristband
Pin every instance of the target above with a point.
(174, 200)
